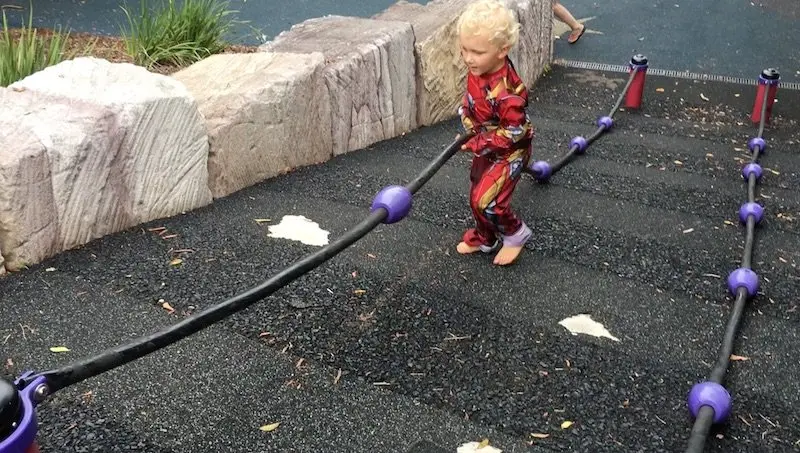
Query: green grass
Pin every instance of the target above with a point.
(21, 56)
(177, 36)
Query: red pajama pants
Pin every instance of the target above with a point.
(492, 184)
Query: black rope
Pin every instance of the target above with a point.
(705, 416)
(109, 359)
(569, 155)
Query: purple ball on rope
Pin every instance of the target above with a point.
(743, 278)
(713, 395)
(541, 170)
(752, 168)
(396, 200)
(748, 209)
(606, 122)
(580, 144)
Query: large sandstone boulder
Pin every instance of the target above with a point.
(370, 75)
(160, 160)
(265, 113)
(441, 73)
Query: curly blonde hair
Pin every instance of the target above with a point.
(492, 19)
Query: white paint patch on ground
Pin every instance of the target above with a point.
(472, 447)
(301, 229)
(586, 325)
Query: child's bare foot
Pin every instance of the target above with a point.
(507, 255)
(465, 249)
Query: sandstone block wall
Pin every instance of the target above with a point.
(369, 74)
(264, 113)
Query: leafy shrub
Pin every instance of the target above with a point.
(173, 36)
(26, 52)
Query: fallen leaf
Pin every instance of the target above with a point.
(59, 349)
(540, 435)
(659, 90)
(484, 443)
(566, 424)
(271, 427)
(739, 358)
(371, 255)
(175, 262)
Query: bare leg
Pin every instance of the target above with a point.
(565, 16)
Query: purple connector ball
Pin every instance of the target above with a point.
(605, 122)
(752, 168)
(751, 209)
(757, 141)
(396, 200)
(541, 170)
(713, 395)
(743, 278)
(579, 143)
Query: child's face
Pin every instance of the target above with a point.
(480, 55)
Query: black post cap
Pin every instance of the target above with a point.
(10, 408)
(770, 74)
(639, 60)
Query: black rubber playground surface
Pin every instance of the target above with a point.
(398, 344)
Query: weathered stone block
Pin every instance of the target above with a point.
(441, 73)
(370, 75)
(61, 168)
(265, 113)
(160, 167)
(534, 51)
(28, 217)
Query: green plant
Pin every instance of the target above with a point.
(177, 36)
(29, 52)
